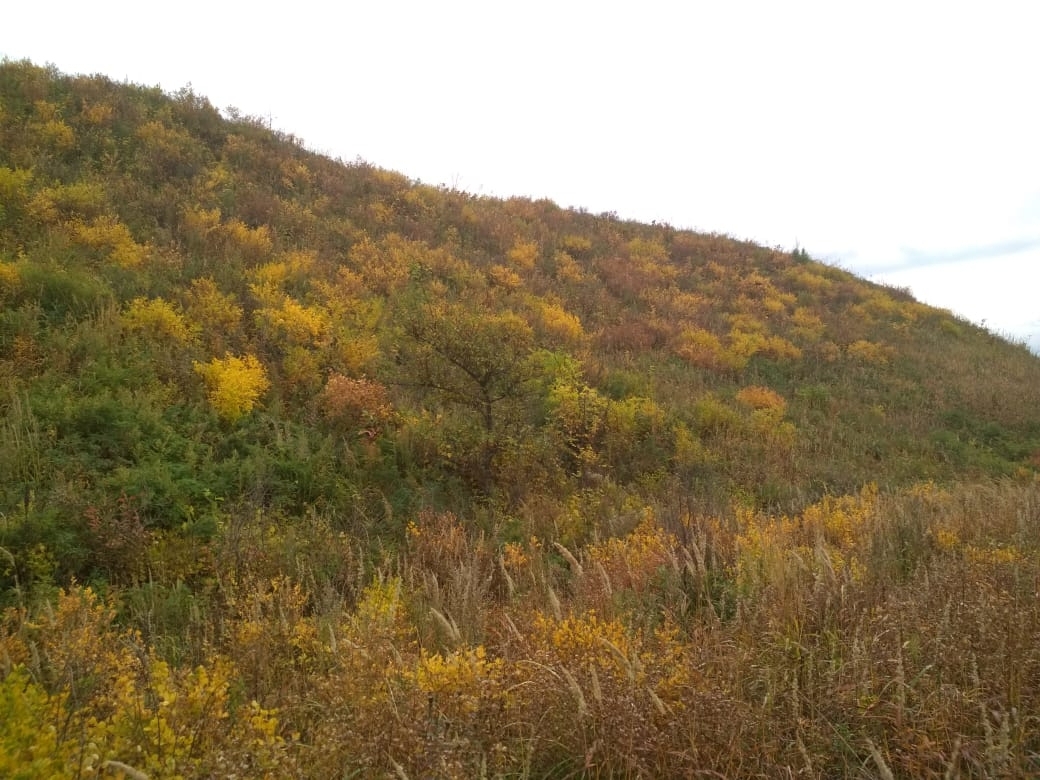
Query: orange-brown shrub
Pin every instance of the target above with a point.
(354, 403)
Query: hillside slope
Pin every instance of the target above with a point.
(233, 366)
(142, 234)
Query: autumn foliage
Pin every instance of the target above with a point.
(234, 384)
(310, 470)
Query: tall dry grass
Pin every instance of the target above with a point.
(873, 635)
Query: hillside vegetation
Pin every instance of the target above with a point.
(310, 470)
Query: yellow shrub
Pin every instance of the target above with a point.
(57, 134)
(97, 114)
(757, 397)
(253, 243)
(807, 280)
(700, 348)
(10, 279)
(108, 233)
(576, 245)
(806, 324)
(689, 450)
(567, 269)
(29, 745)
(379, 618)
(868, 352)
(561, 324)
(159, 318)
(296, 267)
(235, 384)
(505, 277)
(213, 310)
(355, 353)
(746, 321)
(634, 560)
(295, 323)
(384, 264)
(523, 255)
(80, 199)
(460, 683)
(713, 417)
(200, 223)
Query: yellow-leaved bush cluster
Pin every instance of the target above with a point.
(159, 318)
(234, 384)
(83, 698)
(682, 645)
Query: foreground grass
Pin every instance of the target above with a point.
(870, 636)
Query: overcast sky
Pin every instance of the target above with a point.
(900, 140)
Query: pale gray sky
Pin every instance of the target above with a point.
(896, 139)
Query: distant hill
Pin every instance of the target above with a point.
(142, 234)
(203, 324)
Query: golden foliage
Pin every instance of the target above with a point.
(576, 245)
(295, 268)
(807, 324)
(82, 200)
(253, 243)
(159, 318)
(524, 255)
(354, 353)
(744, 345)
(56, 134)
(758, 397)
(14, 186)
(503, 276)
(829, 538)
(689, 451)
(635, 560)
(700, 348)
(559, 324)
(384, 264)
(868, 352)
(808, 280)
(10, 279)
(293, 323)
(93, 703)
(109, 234)
(714, 417)
(235, 384)
(97, 113)
(200, 223)
(216, 312)
(567, 269)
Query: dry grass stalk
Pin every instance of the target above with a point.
(605, 579)
(398, 770)
(126, 769)
(879, 761)
(447, 625)
(554, 602)
(953, 768)
(597, 691)
(571, 560)
(575, 689)
(623, 659)
(506, 578)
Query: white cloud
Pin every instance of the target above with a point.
(998, 291)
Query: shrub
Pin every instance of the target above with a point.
(235, 384)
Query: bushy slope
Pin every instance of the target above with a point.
(236, 372)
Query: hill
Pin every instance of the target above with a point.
(350, 460)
